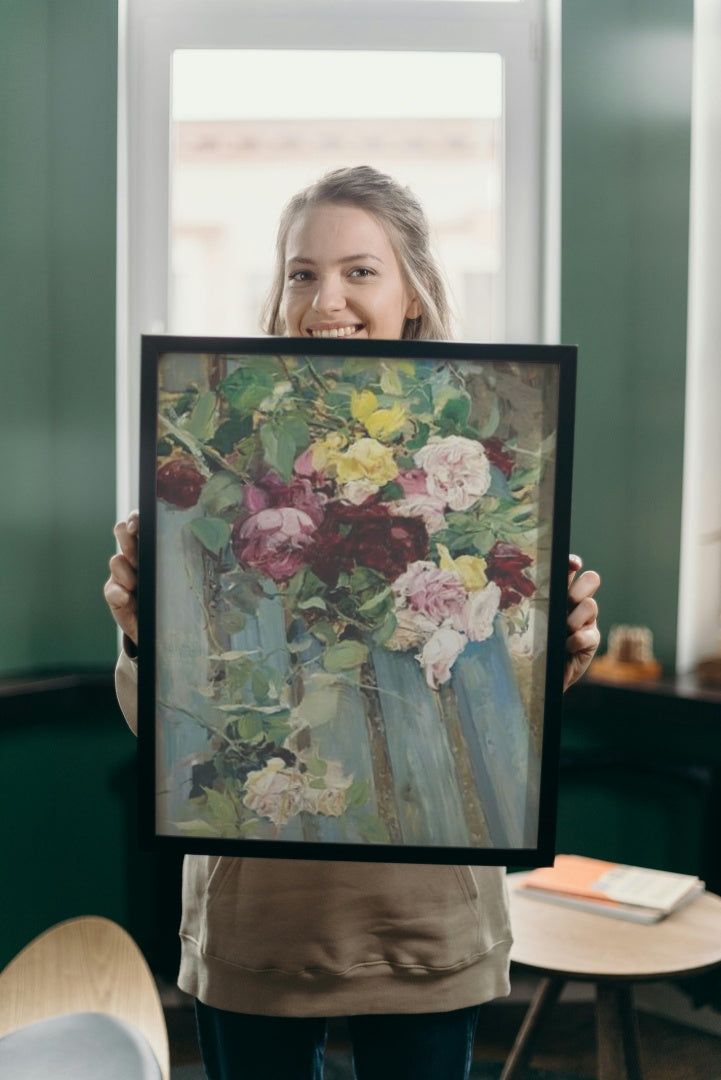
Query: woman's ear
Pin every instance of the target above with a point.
(415, 309)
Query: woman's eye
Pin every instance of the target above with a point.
(362, 272)
(300, 276)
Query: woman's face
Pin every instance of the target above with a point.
(342, 277)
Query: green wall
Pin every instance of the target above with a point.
(58, 72)
(626, 145)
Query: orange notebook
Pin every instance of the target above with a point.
(631, 892)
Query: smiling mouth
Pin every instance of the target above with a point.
(335, 331)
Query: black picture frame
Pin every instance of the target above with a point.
(353, 571)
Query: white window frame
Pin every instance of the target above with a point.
(526, 34)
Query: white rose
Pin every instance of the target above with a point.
(479, 611)
(457, 470)
(440, 653)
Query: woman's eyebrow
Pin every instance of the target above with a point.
(361, 257)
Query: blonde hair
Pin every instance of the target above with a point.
(403, 217)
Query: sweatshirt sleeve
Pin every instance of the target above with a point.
(126, 688)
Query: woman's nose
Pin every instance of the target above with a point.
(329, 296)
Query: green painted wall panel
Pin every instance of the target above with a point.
(626, 145)
(58, 79)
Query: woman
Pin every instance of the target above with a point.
(271, 948)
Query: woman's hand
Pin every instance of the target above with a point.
(120, 588)
(583, 636)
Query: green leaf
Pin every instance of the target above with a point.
(385, 630)
(279, 448)
(317, 767)
(391, 382)
(346, 654)
(373, 830)
(312, 602)
(221, 492)
(358, 793)
(213, 533)
(324, 632)
(298, 430)
(200, 421)
(377, 604)
(232, 621)
(454, 414)
(231, 432)
(197, 827)
(492, 421)
(244, 594)
(319, 785)
(220, 806)
(391, 491)
(260, 685)
(245, 388)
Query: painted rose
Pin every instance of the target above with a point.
(329, 800)
(275, 792)
(440, 653)
(471, 569)
(427, 507)
(366, 536)
(275, 541)
(498, 455)
(505, 564)
(479, 611)
(179, 483)
(379, 423)
(435, 593)
(365, 459)
(271, 491)
(412, 630)
(413, 481)
(457, 469)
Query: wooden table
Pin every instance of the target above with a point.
(563, 944)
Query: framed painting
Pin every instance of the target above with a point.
(352, 597)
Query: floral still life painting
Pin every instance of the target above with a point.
(351, 563)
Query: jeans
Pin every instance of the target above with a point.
(414, 1046)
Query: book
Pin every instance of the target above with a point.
(608, 888)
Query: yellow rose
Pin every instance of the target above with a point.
(323, 451)
(366, 459)
(362, 404)
(385, 422)
(470, 568)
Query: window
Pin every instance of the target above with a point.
(226, 104)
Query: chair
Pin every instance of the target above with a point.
(80, 1002)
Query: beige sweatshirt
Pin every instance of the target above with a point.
(320, 938)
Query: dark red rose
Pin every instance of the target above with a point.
(505, 564)
(498, 455)
(270, 491)
(179, 483)
(369, 536)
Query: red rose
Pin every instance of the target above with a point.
(498, 455)
(368, 536)
(179, 483)
(505, 564)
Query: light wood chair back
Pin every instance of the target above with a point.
(87, 964)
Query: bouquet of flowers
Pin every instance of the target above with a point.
(381, 505)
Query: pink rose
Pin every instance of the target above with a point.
(427, 507)
(413, 481)
(437, 594)
(274, 541)
(440, 653)
(457, 469)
